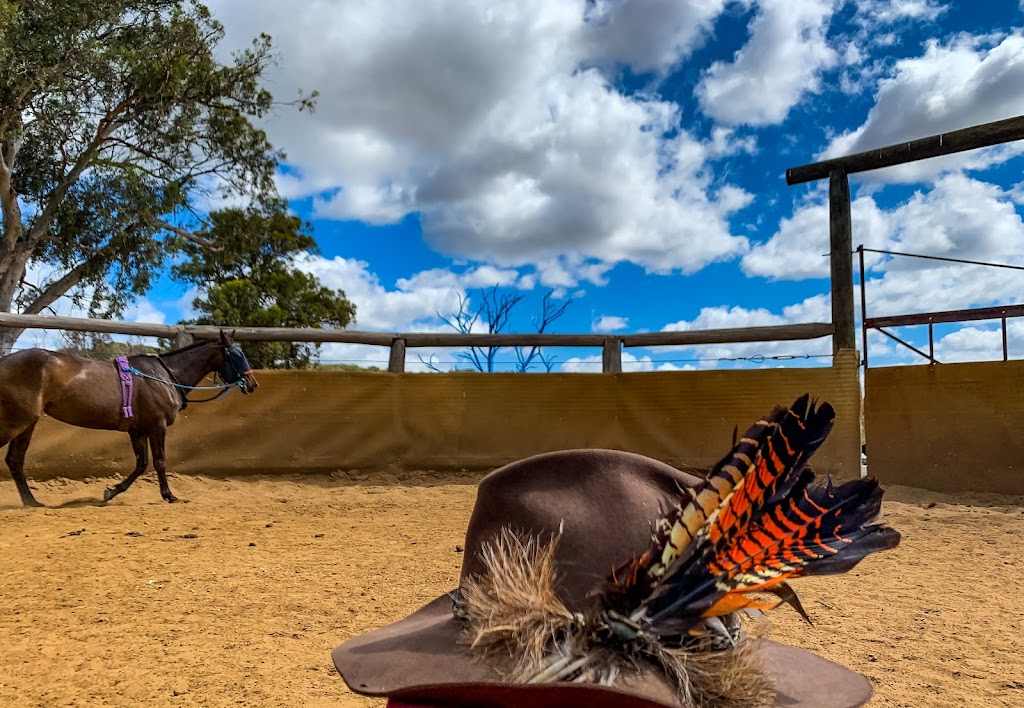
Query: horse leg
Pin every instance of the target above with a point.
(16, 463)
(156, 445)
(141, 462)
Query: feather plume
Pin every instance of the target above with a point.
(760, 519)
(513, 609)
(515, 621)
(763, 520)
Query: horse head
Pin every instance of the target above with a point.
(234, 366)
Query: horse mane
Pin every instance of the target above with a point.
(188, 347)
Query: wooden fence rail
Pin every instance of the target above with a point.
(610, 344)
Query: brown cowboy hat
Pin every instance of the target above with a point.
(595, 497)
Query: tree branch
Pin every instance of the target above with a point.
(58, 288)
(55, 290)
(106, 127)
(188, 236)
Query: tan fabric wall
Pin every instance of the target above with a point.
(949, 428)
(326, 421)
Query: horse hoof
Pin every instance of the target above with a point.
(171, 499)
(32, 503)
(109, 494)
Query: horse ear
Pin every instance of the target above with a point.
(223, 338)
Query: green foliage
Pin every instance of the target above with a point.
(246, 271)
(116, 116)
(102, 346)
(345, 367)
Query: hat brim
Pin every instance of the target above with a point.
(421, 657)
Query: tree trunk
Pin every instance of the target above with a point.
(8, 337)
(17, 245)
(12, 269)
(10, 236)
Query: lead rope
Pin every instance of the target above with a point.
(223, 388)
(227, 389)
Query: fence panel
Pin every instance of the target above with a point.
(948, 427)
(322, 421)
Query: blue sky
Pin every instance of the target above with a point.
(631, 154)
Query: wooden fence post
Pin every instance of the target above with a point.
(611, 359)
(183, 339)
(396, 362)
(841, 250)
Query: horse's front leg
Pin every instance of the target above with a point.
(141, 462)
(156, 445)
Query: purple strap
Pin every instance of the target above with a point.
(126, 385)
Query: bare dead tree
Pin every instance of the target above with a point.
(549, 313)
(495, 311)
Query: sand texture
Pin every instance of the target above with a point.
(238, 597)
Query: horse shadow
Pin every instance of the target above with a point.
(76, 503)
(70, 504)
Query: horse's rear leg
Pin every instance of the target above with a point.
(141, 462)
(156, 444)
(16, 463)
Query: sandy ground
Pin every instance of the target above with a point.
(238, 597)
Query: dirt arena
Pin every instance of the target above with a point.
(238, 597)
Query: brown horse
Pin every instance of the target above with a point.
(88, 393)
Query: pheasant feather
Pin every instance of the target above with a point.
(760, 519)
(764, 519)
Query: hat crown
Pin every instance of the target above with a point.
(596, 497)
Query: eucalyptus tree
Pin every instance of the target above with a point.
(246, 267)
(119, 119)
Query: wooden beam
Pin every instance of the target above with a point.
(980, 313)
(611, 356)
(82, 324)
(525, 339)
(396, 360)
(183, 339)
(293, 334)
(978, 136)
(812, 330)
(840, 231)
(779, 333)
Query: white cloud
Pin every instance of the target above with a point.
(813, 309)
(142, 310)
(966, 81)
(669, 29)
(782, 61)
(799, 249)
(981, 343)
(958, 217)
(183, 305)
(486, 119)
(609, 323)
(414, 303)
(592, 364)
(669, 366)
(882, 11)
